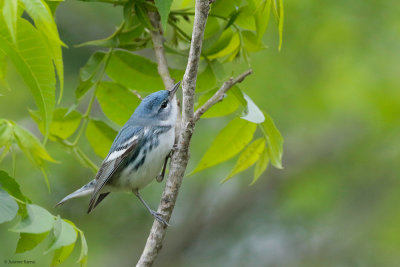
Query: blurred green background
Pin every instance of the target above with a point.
(334, 93)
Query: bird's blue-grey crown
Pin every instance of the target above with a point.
(158, 108)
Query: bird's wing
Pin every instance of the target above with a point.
(124, 145)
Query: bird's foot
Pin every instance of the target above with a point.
(159, 217)
(160, 178)
(174, 149)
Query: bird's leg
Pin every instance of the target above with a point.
(156, 215)
(174, 148)
(160, 177)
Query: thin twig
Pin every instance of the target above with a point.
(180, 157)
(158, 40)
(137, 94)
(219, 95)
(162, 64)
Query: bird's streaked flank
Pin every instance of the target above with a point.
(138, 153)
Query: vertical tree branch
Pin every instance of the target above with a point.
(181, 156)
(158, 40)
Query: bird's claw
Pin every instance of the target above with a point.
(159, 217)
(174, 148)
(159, 178)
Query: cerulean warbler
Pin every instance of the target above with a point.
(139, 151)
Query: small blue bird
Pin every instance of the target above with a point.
(138, 153)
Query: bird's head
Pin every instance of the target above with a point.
(159, 108)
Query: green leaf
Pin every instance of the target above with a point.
(9, 184)
(31, 146)
(223, 7)
(261, 18)
(248, 157)
(43, 18)
(33, 62)
(3, 71)
(93, 66)
(5, 151)
(232, 18)
(123, 37)
(218, 70)
(109, 41)
(213, 27)
(38, 221)
(233, 45)
(206, 80)
(141, 13)
(138, 73)
(116, 101)
(261, 165)
(64, 235)
(244, 18)
(222, 108)
(84, 250)
(27, 142)
(113, 2)
(280, 25)
(229, 142)
(83, 88)
(129, 18)
(251, 43)
(279, 14)
(163, 7)
(127, 35)
(63, 126)
(274, 141)
(44, 22)
(64, 123)
(218, 42)
(8, 207)
(53, 4)
(10, 14)
(6, 133)
(100, 137)
(61, 254)
(28, 241)
(131, 38)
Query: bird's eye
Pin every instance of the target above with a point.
(164, 104)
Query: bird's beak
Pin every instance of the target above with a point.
(173, 90)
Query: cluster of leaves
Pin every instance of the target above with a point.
(114, 75)
(234, 29)
(237, 137)
(35, 224)
(34, 49)
(11, 133)
(35, 53)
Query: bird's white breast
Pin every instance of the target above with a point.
(136, 179)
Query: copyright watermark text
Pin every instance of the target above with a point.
(19, 262)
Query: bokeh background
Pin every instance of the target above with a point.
(333, 91)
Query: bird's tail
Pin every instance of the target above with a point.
(85, 190)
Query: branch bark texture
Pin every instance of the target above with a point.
(219, 95)
(180, 158)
